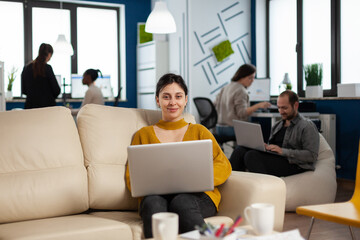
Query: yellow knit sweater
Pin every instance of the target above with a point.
(222, 167)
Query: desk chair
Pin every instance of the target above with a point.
(208, 117)
(347, 213)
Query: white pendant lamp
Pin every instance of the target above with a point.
(63, 46)
(160, 20)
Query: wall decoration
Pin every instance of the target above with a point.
(144, 36)
(221, 44)
(222, 50)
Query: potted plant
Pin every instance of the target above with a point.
(313, 78)
(11, 78)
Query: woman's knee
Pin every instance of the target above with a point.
(182, 202)
(153, 203)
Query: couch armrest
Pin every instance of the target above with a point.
(244, 188)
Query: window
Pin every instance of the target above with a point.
(282, 43)
(96, 32)
(43, 31)
(12, 41)
(97, 42)
(350, 39)
(317, 37)
(327, 32)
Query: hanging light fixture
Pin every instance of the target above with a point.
(62, 45)
(160, 20)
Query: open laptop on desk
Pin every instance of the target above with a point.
(249, 135)
(166, 168)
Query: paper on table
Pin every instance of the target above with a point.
(289, 235)
(196, 235)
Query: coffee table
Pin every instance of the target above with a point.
(250, 232)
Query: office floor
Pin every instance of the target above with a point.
(322, 230)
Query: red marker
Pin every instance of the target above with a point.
(219, 231)
(236, 223)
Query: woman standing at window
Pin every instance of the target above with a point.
(38, 81)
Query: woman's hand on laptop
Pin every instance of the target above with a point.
(273, 148)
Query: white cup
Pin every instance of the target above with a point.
(261, 217)
(165, 226)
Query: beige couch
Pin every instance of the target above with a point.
(62, 181)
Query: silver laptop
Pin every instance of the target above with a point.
(167, 168)
(249, 135)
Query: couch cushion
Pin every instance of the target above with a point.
(42, 173)
(77, 227)
(105, 134)
(131, 218)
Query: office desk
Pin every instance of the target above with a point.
(275, 116)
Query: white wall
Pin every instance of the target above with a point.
(202, 24)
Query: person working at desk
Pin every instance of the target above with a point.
(192, 208)
(38, 81)
(93, 94)
(233, 100)
(294, 139)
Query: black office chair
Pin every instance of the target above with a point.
(207, 112)
(208, 117)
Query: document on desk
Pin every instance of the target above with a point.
(289, 235)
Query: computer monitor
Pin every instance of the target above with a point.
(78, 90)
(104, 84)
(259, 90)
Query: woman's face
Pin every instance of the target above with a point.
(172, 101)
(86, 79)
(248, 80)
(48, 57)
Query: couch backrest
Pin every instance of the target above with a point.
(105, 134)
(42, 171)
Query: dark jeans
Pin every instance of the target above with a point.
(192, 208)
(243, 158)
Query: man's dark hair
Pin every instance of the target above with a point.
(293, 97)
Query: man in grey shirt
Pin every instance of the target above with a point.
(294, 139)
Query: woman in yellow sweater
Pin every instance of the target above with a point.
(192, 208)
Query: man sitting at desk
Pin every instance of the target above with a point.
(294, 139)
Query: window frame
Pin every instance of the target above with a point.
(335, 47)
(72, 6)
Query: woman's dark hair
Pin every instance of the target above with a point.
(40, 61)
(170, 78)
(243, 71)
(93, 73)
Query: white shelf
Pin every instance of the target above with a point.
(152, 63)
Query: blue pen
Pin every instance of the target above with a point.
(208, 229)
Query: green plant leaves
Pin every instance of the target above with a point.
(11, 78)
(313, 74)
